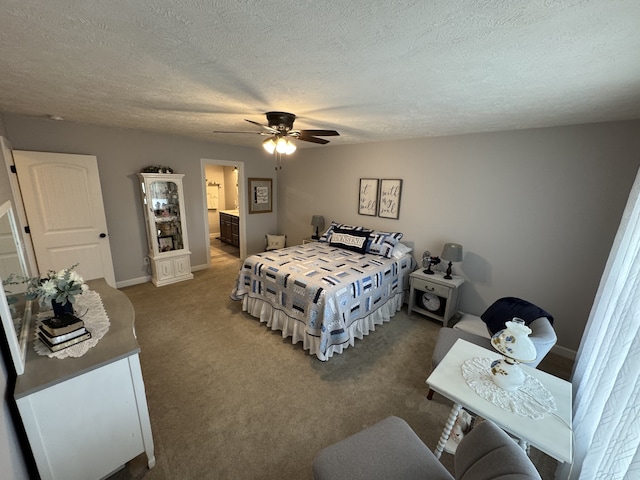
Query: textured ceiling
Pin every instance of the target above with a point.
(371, 69)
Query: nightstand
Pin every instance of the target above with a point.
(433, 295)
(309, 240)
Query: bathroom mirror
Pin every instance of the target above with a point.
(14, 310)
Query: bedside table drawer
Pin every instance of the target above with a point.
(427, 286)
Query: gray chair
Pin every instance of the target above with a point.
(391, 450)
(473, 329)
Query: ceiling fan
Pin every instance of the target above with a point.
(280, 130)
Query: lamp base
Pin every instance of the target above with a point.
(507, 374)
(448, 275)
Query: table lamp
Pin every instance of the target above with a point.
(318, 222)
(515, 345)
(452, 252)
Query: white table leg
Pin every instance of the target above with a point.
(524, 445)
(453, 415)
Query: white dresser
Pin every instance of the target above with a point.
(86, 417)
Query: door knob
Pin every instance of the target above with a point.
(103, 235)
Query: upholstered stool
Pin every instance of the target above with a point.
(391, 450)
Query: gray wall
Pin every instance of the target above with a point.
(121, 154)
(535, 210)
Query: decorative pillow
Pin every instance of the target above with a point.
(382, 243)
(276, 241)
(400, 250)
(504, 309)
(348, 239)
(326, 236)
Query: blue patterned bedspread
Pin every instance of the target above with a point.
(327, 288)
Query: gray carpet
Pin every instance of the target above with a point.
(231, 399)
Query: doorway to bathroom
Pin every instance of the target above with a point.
(223, 210)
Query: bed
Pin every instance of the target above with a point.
(326, 294)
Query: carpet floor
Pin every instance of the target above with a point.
(231, 399)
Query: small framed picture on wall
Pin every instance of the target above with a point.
(368, 198)
(260, 196)
(389, 202)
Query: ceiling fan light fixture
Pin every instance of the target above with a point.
(291, 147)
(281, 145)
(269, 145)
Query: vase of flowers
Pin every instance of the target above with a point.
(60, 288)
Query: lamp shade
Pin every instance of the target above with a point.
(452, 252)
(514, 342)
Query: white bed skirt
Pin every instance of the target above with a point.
(290, 327)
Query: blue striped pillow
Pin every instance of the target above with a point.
(382, 243)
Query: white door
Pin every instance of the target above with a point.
(63, 204)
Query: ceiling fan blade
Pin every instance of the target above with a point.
(320, 133)
(225, 131)
(266, 127)
(306, 138)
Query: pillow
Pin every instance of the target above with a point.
(326, 236)
(382, 243)
(400, 250)
(276, 241)
(504, 309)
(353, 240)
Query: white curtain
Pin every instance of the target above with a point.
(606, 386)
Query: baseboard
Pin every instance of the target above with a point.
(564, 352)
(139, 280)
(133, 281)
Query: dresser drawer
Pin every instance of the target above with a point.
(428, 286)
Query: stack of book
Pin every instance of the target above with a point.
(58, 333)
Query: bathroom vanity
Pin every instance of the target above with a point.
(230, 227)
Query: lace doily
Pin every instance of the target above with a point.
(531, 399)
(89, 308)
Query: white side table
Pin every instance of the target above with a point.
(550, 434)
(433, 295)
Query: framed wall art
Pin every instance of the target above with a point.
(389, 203)
(260, 195)
(368, 198)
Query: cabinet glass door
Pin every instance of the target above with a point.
(165, 203)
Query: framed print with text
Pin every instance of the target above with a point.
(260, 195)
(368, 198)
(389, 203)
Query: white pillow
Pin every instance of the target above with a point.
(400, 250)
(275, 241)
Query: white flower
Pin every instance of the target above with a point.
(49, 288)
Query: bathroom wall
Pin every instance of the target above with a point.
(215, 174)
